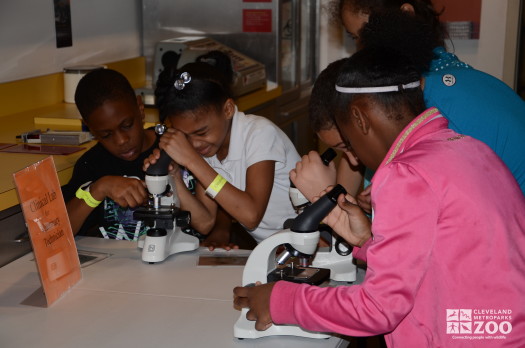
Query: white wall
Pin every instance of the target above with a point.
(498, 42)
(103, 31)
(493, 53)
(110, 30)
(334, 43)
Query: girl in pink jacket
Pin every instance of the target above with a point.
(445, 251)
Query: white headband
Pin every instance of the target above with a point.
(381, 89)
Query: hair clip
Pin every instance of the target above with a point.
(182, 81)
(160, 129)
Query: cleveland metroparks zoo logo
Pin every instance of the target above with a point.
(478, 323)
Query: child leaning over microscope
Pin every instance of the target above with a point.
(241, 162)
(104, 189)
(311, 175)
(447, 221)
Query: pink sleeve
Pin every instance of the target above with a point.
(360, 252)
(397, 261)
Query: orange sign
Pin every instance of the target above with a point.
(46, 217)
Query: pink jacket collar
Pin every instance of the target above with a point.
(412, 132)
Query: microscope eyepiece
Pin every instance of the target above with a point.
(160, 168)
(328, 156)
(311, 217)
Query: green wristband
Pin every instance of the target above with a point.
(86, 196)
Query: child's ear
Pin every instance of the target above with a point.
(360, 119)
(140, 104)
(229, 108)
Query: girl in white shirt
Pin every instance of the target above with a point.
(242, 162)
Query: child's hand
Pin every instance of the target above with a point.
(176, 144)
(152, 159)
(365, 200)
(126, 192)
(257, 299)
(212, 245)
(219, 238)
(348, 220)
(311, 175)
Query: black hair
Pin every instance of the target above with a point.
(398, 30)
(320, 106)
(424, 9)
(377, 67)
(210, 85)
(99, 86)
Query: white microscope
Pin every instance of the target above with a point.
(163, 216)
(263, 265)
(338, 256)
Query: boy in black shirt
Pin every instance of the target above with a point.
(107, 181)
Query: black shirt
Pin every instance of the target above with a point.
(110, 220)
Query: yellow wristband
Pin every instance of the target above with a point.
(216, 186)
(86, 196)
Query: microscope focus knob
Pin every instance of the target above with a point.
(183, 219)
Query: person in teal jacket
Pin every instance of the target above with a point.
(475, 103)
(479, 105)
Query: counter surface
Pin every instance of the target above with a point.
(124, 302)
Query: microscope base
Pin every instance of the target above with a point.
(157, 249)
(245, 328)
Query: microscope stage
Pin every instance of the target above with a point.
(308, 275)
(159, 213)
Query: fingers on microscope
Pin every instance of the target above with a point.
(261, 324)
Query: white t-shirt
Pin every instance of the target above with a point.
(254, 139)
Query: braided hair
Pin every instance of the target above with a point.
(399, 31)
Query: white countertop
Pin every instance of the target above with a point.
(124, 302)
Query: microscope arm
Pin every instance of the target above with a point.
(262, 258)
(303, 236)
